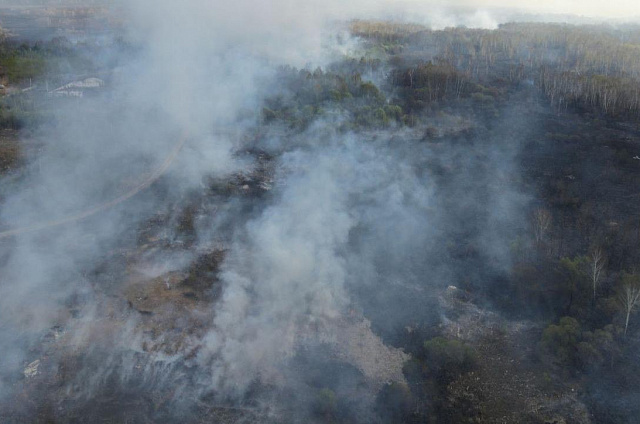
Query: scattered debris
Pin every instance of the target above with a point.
(354, 342)
(77, 88)
(506, 387)
(359, 345)
(32, 369)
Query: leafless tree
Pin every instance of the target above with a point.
(541, 224)
(629, 297)
(596, 266)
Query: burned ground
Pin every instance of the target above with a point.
(439, 152)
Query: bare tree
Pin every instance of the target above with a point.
(629, 297)
(596, 265)
(541, 224)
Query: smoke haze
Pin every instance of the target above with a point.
(343, 222)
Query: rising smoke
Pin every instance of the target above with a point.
(352, 232)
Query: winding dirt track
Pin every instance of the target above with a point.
(103, 206)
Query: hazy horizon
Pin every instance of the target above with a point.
(623, 9)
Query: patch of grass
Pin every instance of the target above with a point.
(19, 66)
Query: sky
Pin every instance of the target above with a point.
(590, 8)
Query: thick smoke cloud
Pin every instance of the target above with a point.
(201, 66)
(350, 219)
(291, 267)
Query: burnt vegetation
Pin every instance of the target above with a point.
(563, 332)
(573, 273)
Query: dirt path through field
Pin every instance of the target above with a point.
(103, 206)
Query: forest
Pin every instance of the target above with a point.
(574, 266)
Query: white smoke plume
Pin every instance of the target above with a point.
(342, 204)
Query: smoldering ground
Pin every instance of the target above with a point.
(340, 230)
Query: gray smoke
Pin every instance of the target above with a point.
(352, 219)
